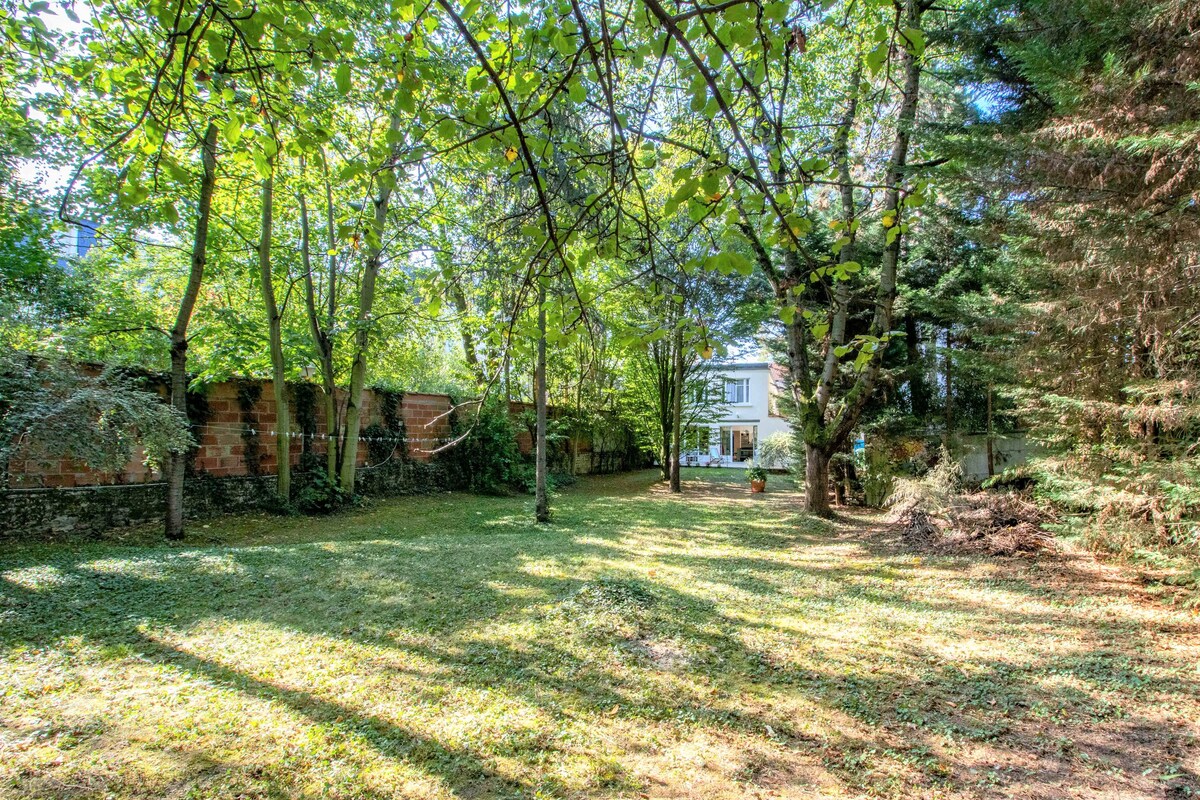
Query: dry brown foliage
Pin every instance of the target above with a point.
(980, 522)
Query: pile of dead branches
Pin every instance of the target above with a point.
(979, 522)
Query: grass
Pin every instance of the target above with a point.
(718, 645)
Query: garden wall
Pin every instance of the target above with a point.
(1008, 450)
(234, 464)
(234, 424)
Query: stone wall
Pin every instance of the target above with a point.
(61, 513)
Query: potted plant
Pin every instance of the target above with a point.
(758, 479)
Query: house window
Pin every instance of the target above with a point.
(737, 392)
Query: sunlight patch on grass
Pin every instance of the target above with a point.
(710, 645)
(39, 578)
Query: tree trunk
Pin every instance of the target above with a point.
(948, 373)
(856, 399)
(470, 348)
(848, 477)
(662, 363)
(677, 408)
(176, 465)
(665, 467)
(362, 336)
(918, 393)
(333, 456)
(542, 513)
(991, 438)
(816, 481)
(283, 442)
(322, 344)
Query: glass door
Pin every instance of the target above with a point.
(738, 443)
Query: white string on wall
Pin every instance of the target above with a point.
(241, 430)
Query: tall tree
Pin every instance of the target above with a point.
(176, 464)
(283, 442)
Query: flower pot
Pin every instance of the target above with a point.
(758, 486)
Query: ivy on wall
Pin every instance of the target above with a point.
(249, 392)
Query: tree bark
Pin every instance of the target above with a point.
(322, 344)
(677, 408)
(176, 465)
(328, 376)
(542, 499)
(816, 481)
(662, 362)
(991, 436)
(362, 336)
(283, 442)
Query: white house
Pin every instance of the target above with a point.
(749, 414)
(74, 242)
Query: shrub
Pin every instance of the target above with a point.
(756, 473)
(487, 460)
(933, 493)
(525, 479)
(321, 495)
(775, 451)
(877, 473)
(384, 443)
(51, 410)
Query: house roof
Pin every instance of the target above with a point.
(779, 375)
(747, 365)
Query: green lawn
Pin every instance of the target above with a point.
(714, 646)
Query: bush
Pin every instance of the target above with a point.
(51, 410)
(775, 451)
(385, 444)
(321, 495)
(933, 493)
(756, 473)
(487, 460)
(525, 479)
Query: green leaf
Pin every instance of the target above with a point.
(563, 45)
(877, 58)
(342, 78)
(687, 190)
(915, 41)
(232, 131)
(814, 165)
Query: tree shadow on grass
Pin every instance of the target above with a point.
(441, 600)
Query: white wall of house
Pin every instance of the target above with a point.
(73, 242)
(750, 414)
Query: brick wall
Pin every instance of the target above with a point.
(236, 436)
